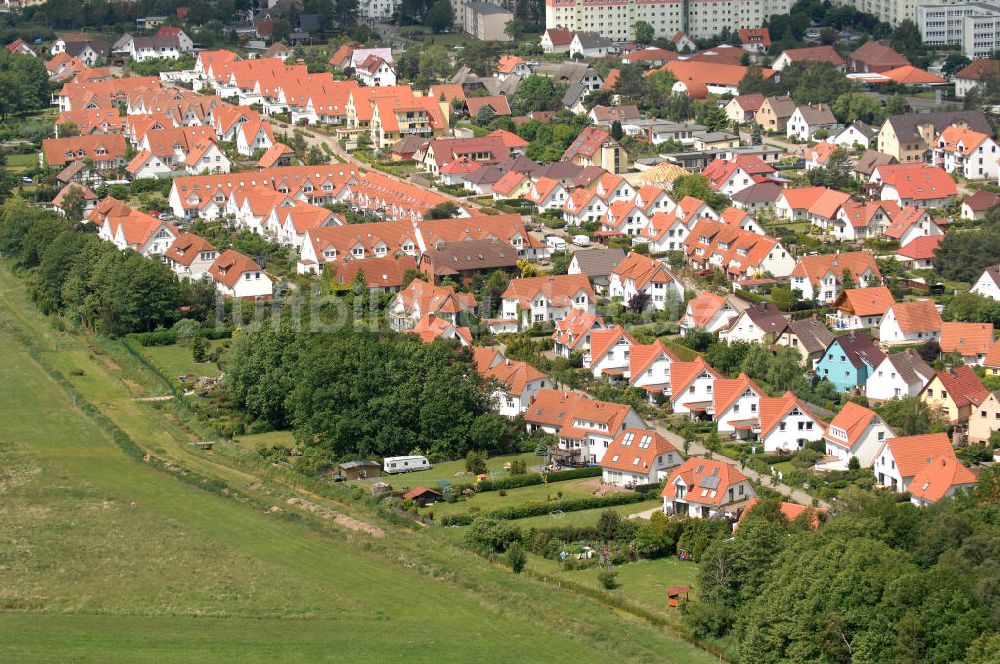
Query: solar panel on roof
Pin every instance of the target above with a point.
(709, 482)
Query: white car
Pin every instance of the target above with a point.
(581, 240)
(555, 242)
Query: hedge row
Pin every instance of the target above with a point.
(541, 509)
(169, 337)
(531, 479)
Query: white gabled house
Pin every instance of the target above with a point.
(610, 351)
(898, 376)
(988, 283)
(787, 424)
(639, 276)
(692, 388)
(736, 408)
(856, 431)
(704, 488)
(638, 457)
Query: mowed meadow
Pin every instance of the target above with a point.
(106, 558)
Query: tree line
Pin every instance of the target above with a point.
(881, 581)
(354, 393)
(72, 271)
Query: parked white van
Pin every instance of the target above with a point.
(405, 464)
(581, 240)
(555, 242)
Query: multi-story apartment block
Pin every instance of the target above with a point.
(699, 19)
(944, 24)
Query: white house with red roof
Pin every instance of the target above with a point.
(583, 206)
(518, 382)
(704, 488)
(727, 177)
(610, 351)
(786, 423)
(942, 477)
(590, 426)
(910, 322)
(547, 194)
(638, 274)
(511, 65)
(919, 253)
(899, 459)
(376, 72)
(857, 220)
(546, 299)
(911, 223)
(668, 230)
(915, 184)
(572, 334)
(709, 312)
(419, 299)
(612, 188)
(430, 327)
(138, 231)
(736, 406)
(649, 368)
(861, 308)
(190, 256)
(692, 387)
(856, 431)
(971, 154)
(239, 276)
(637, 457)
(288, 225)
(624, 218)
(820, 276)
(741, 254)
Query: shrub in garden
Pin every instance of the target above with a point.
(608, 578)
(475, 462)
(490, 536)
(516, 557)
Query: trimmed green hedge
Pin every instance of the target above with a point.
(530, 479)
(541, 509)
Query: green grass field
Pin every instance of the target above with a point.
(492, 500)
(104, 558)
(176, 360)
(21, 162)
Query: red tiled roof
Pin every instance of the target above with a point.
(963, 385)
(694, 472)
(966, 339)
(230, 266)
(921, 248)
(911, 453)
(917, 316)
(874, 301)
(635, 451)
(933, 481)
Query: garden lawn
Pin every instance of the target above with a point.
(21, 162)
(643, 582)
(176, 360)
(491, 500)
(584, 517)
(259, 441)
(454, 471)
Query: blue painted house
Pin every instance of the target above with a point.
(849, 360)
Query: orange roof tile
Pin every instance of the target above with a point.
(873, 301)
(933, 481)
(917, 316)
(966, 339)
(601, 341)
(635, 451)
(911, 453)
(726, 391)
(962, 385)
(230, 266)
(698, 477)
